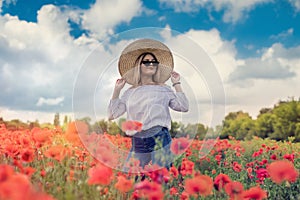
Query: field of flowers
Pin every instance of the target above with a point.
(54, 164)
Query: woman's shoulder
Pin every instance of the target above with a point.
(166, 86)
(158, 84)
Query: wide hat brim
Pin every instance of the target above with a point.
(127, 60)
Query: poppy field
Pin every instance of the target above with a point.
(48, 164)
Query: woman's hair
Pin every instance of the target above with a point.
(137, 69)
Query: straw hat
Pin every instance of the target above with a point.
(127, 60)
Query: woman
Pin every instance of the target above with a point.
(147, 64)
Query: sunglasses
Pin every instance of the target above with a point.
(147, 63)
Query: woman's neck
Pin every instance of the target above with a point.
(146, 80)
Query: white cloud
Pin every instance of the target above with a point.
(261, 82)
(296, 4)
(49, 101)
(39, 59)
(104, 15)
(7, 3)
(269, 66)
(283, 34)
(251, 83)
(234, 9)
(221, 52)
(162, 18)
(184, 5)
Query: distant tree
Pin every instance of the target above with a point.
(190, 130)
(100, 126)
(86, 120)
(280, 122)
(239, 125)
(201, 131)
(264, 111)
(174, 128)
(264, 124)
(197, 130)
(34, 124)
(65, 123)
(16, 124)
(287, 117)
(114, 128)
(56, 120)
(47, 125)
(297, 132)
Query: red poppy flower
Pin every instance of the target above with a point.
(100, 174)
(173, 191)
(249, 170)
(273, 157)
(218, 158)
(28, 171)
(187, 167)
(282, 170)
(157, 174)
(255, 193)
(148, 190)
(174, 171)
(199, 185)
(27, 155)
(234, 190)
(184, 196)
(12, 150)
(17, 186)
(43, 173)
(237, 167)
(132, 126)
(261, 174)
(289, 157)
(179, 145)
(56, 152)
(5, 172)
(41, 136)
(123, 184)
(220, 181)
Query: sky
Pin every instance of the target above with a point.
(232, 55)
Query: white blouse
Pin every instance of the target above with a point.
(149, 104)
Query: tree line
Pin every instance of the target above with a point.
(282, 122)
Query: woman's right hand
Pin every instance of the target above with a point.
(120, 84)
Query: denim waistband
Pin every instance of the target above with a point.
(149, 132)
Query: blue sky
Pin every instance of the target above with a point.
(255, 46)
(259, 26)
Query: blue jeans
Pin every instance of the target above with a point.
(152, 147)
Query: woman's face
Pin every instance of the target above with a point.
(149, 65)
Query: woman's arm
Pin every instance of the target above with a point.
(118, 87)
(178, 102)
(116, 106)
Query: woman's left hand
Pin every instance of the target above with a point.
(175, 77)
